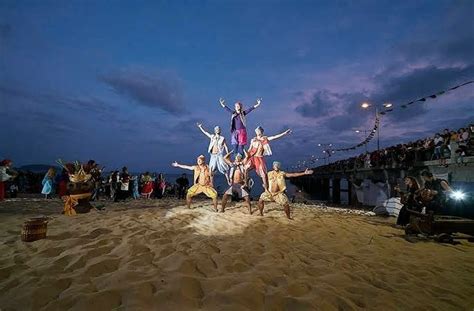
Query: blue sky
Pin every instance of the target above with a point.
(124, 82)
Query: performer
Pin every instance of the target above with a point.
(277, 188)
(238, 181)
(63, 180)
(202, 181)
(5, 175)
(217, 147)
(134, 185)
(147, 185)
(48, 182)
(260, 148)
(238, 127)
(160, 186)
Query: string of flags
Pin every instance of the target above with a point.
(367, 139)
(329, 151)
(424, 99)
(404, 106)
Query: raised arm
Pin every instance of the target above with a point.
(306, 172)
(270, 138)
(186, 167)
(222, 103)
(227, 157)
(259, 101)
(199, 125)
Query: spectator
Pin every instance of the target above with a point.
(409, 200)
(183, 185)
(438, 144)
(434, 192)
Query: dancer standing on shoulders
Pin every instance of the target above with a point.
(277, 188)
(238, 181)
(217, 147)
(260, 148)
(202, 181)
(238, 127)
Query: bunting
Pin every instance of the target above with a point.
(313, 159)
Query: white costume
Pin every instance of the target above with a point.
(217, 159)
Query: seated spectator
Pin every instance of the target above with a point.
(409, 200)
(438, 144)
(462, 141)
(434, 193)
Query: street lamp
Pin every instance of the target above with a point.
(366, 105)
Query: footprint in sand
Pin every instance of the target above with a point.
(96, 233)
(102, 267)
(48, 290)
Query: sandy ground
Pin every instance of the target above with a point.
(157, 255)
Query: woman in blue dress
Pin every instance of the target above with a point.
(48, 182)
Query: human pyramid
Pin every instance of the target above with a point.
(237, 171)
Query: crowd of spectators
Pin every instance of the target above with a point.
(454, 145)
(116, 186)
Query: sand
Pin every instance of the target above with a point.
(158, 255)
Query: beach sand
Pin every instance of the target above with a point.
(158, 255)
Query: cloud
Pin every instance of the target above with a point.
(416, 84)
(150, 90)
(83, 104)
(319, 105)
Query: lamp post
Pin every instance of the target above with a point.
(367, 105)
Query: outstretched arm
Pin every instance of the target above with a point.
(258, 102)
(306, 172)
(222, 103)
(288, 131)
(227, 157)
(199, 125)
(186, 167)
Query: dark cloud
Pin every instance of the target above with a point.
(320, 104)
(416, 84)
(390, 87)
(82, 104)
(151, 90)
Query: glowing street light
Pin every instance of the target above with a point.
(366, 105)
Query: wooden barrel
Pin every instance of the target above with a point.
(34, 229)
